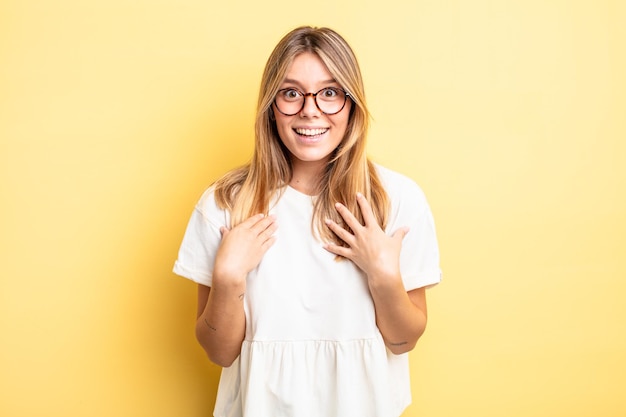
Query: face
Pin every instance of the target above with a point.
(310, 135)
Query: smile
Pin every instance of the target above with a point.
(311, 132)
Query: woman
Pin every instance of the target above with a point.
(310, 291)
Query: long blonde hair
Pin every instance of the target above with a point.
(248, 190)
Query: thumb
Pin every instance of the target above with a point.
(400, 233)
(224, 231)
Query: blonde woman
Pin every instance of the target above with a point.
(311, 289)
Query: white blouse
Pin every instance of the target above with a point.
(312, 347)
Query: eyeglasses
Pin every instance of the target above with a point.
(329, 100)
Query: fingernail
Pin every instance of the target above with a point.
(359, 195)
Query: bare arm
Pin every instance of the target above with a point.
(400, 315)
(221, 322)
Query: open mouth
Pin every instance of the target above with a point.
(311, 132)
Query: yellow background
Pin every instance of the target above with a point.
(115, 115)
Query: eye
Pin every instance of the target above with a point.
(290, 94)
(330, 92)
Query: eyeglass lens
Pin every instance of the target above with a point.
(290, 101)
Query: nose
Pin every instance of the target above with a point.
(310, 108)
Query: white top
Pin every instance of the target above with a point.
(312, 347)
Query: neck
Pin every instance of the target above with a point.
(306, 176)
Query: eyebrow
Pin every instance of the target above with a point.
(296, 82)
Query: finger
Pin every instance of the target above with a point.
(262, 224)
(400, 233)
(268, 243)
(224, 231)
(268, 233)
(271, 228)
(366, 210)
(342, 233)
(338, 250)
(251, 221)
(347, 216)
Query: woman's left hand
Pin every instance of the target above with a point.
(376, 253)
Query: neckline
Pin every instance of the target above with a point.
(289, 187)
(292, 193)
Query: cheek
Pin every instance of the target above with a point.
(346, 114)
(343, 122)
(282, 127)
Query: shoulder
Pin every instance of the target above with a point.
(400, 188)
(210, 210)
(221, 193)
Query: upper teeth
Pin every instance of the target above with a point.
(310, 132)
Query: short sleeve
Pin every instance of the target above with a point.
(196, 255)
(419, 257)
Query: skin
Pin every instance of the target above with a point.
(310, 154)
(221, 323)
(400, 315)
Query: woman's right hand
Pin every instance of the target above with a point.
(221, 323)
(242, 248)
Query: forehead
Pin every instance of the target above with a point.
(308, 69)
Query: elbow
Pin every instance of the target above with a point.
(215, 351)
(225, 361)
(401, 347)
(405, 346)
(219, 356)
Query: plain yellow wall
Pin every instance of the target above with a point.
(115, 115)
